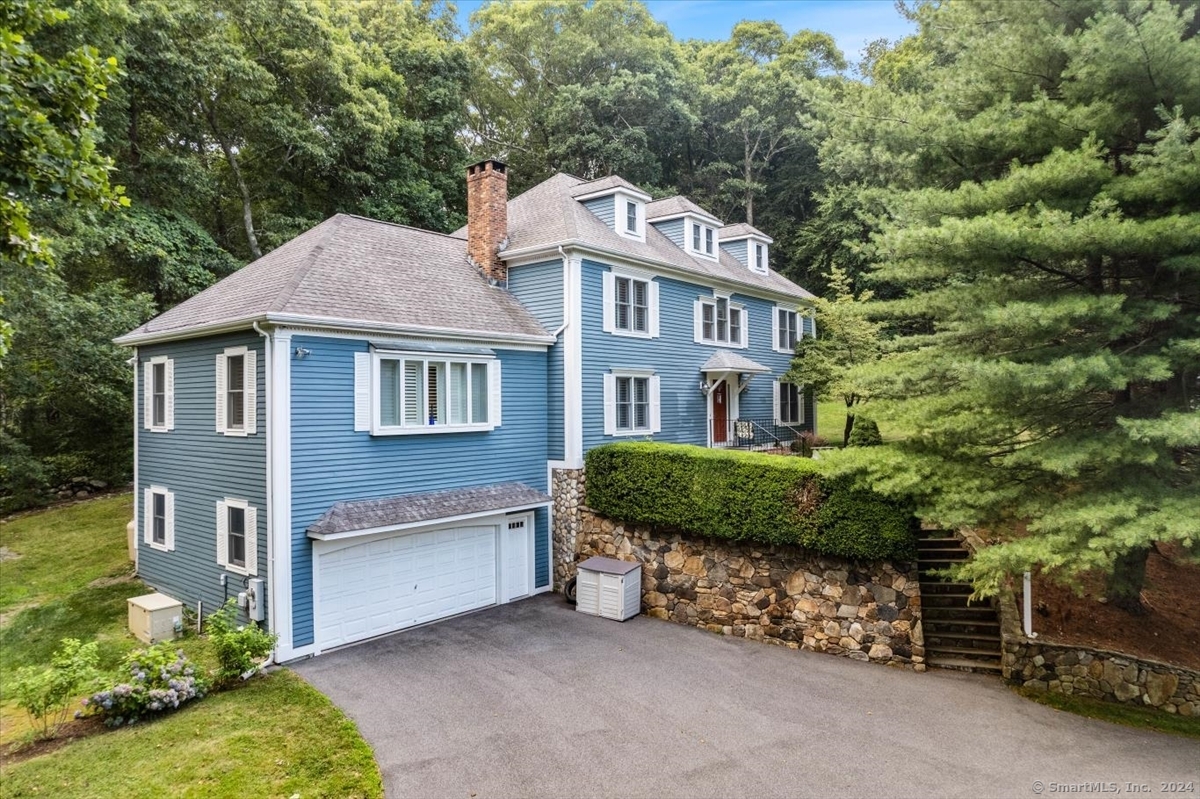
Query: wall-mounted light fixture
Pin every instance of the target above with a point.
(302, 353)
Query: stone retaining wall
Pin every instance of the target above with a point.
(1044, 665)
(566, 491)
(778, 594)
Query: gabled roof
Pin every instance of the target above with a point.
(674, 206)
(410, 509)
(742, 230)
(547, 215)
(611, 182)
(352, 268)
(726, 361)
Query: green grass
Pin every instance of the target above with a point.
(54, 553)
(274, 737)
(1127, 715)
(831, 421)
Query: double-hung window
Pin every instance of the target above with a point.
(158, 519)
(789, 403)
(426, 393)
(704, 240)
(237, 536)
(720, 321)
(631, 217)
(631, 403)
(787, 330)
(760, 257)
(630, 304)
(236, 379)
(158, 386)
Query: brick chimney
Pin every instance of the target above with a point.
(487, 217)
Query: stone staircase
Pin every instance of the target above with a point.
(959, 634)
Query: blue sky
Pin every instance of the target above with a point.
(852, 23)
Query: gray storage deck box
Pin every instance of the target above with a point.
(609, 587)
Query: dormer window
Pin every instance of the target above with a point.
(704, 240)
(631, 217)
(760, 257)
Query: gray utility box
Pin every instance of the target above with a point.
(609, 587)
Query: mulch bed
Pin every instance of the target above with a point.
(1169, 632)
(72, 730)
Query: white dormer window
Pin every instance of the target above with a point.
(759, 262)
(703, 239)
(631, 217)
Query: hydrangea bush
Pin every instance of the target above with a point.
(160, 680)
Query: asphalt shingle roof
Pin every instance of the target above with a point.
(674, 206)
(369, 514)
(741, 230)
(350, 267)
(726, 361)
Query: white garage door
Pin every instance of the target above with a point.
(388, 584)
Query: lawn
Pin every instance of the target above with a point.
(64, 574)
(831, 421)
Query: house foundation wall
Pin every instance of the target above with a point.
(566, 491)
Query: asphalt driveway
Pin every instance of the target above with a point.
(534, 700)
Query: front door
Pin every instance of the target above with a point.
(515, 552)
(720, 410)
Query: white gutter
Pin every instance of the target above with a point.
(268, 363)
(691, 276)
(335, 323)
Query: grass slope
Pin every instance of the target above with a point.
(1127, 715)
(274, 737)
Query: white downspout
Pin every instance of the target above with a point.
(1028, 597)
(137, 426)
(268, 364)
(566, 301)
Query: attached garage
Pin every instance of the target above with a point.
(379, 579)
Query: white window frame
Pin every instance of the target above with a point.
(609, 300)
(776, 329)
(653, 396)
(777, 403)
(744, 327)
(149, 386)
(249, 392)
(250, 569)
(368, 384)
(706, 233)
(757, 249)
(148, 495)
(621, 203)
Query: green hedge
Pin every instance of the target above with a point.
(746, 496)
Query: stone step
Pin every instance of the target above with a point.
(963, 663)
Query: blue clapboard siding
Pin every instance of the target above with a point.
(672, 229)
(674, 356)
(541, 548)
(201, 466)
(331, 462)
(539, 287)
(603, 207)
(738, 250)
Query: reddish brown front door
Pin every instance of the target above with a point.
(720, 404)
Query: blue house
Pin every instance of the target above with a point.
(374, 426)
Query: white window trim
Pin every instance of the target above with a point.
(621, 202)
(752, 249)
(689, 225)
(249, 392)
(168, 544)
(698, 311)
(367, 384)
(775, 328)
(654, 392)
(609, 301)
(223, 506)
(778, 406)
(168, 392)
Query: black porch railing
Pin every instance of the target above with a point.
(762, 435)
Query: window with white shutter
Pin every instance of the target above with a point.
(236, 382)
(632, 403)
(407, 393)
(785, 330)
(158, 386)
(630, 301)
(158, 518)
(237, 536)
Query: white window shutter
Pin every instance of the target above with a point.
(610, 404)
(652, 301)
(148, 516)
(220, 382)
(775, 401)
(170, 503)
(698, 322)
(497, 398)
(362, 391)
(775, 328)
(222, 533)
(250, 381)
(812, 327)
(170, 392)
(147, 395)
(609, 293)
(655, 404)
(252, 540)
(745, 342)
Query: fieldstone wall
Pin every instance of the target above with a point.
(566, 491)
(1113, 676)
(777, 594)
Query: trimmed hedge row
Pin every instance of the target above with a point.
(746, 496)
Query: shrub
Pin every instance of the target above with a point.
(806, 442)
(241, 649)
(46, 693)
(744, 496)
(865, 433)
(160, 680)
